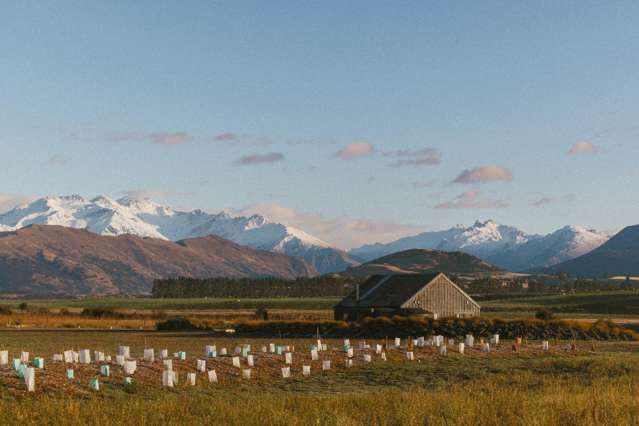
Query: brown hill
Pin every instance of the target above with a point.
(54, 260)
(421, 261)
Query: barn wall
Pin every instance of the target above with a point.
(444, 299)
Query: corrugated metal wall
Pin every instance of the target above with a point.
(444, 299)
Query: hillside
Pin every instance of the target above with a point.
(144, 218)
(618, 256)
(422, 261)
(55, 260)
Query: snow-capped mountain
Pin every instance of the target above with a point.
(145, 218)
(564, 244)
(504, 246)
(481, 239)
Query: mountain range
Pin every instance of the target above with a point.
(506, 247)
(62, 261)
(617, 257)
(145, 218)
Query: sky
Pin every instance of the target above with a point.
(358, 121)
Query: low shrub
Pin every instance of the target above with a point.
(381, 327)
(544, 314)
(176, 324)
(131, 388)
(102, 313)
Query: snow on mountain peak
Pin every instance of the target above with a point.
(143, 217)
(504, 246)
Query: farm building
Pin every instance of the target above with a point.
(432, 295)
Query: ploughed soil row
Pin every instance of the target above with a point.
(267, 366)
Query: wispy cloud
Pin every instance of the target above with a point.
(118, 136)
(484, 174)
(235, 138)
(420, 157)
(355, 150)
(226, 137)
(56, 160)
(164, 138)
(471, 200)
(542, 201)
(253, 159)
(568, 198)
(583, 148)
(344, 232)
(153, 194)
(9, 201)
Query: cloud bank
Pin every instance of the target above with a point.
(343, 232)
(9, 201)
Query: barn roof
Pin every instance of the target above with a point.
(388, 291)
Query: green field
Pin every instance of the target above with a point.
(612, 304)
(560, 388)
(609, 304)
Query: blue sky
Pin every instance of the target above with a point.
(359, 121)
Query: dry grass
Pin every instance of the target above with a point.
(519, 400)
(563, 387)
(41, 320)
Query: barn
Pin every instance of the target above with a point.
(431, 295)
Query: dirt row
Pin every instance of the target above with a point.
(267, 367)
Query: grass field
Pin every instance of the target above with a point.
(529, 388)
(609, 304)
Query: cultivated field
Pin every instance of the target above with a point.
(563, 386)
(587, 384)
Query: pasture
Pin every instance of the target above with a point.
(602, 304)
(621, 305)
(563, 386)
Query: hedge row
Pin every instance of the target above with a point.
(417, 326)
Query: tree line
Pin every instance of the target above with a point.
(221, 287)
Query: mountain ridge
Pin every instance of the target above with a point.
(63, 261)
(145, 218)
(618, 256)
(503, 246)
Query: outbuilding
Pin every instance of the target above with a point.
(432, 295)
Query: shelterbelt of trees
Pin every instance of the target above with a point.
(324, 286)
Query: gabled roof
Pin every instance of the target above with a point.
(387, 291)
